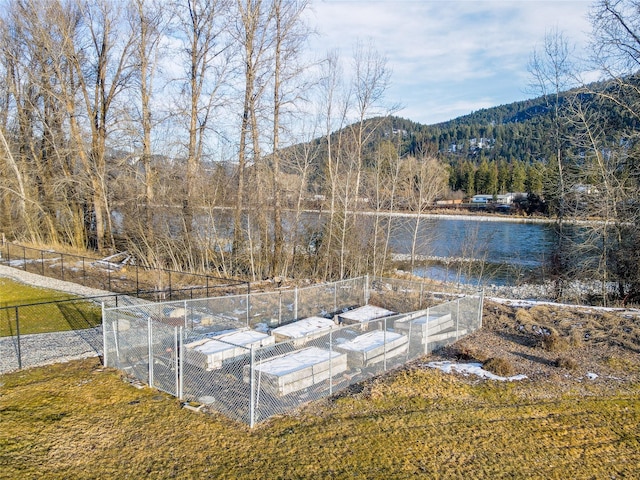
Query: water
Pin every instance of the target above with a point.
(509, 252)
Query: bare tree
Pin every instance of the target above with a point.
(289, 36)
(206, 64)
(385, 187)
(552, 72)
(424, 180)
(612, 161)
(251, 34)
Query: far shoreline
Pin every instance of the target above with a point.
(465, 216)
(447, 216)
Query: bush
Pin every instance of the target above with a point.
(499, 366)
(576, 338)
(567, 363)
(552, 342)
(466, 353)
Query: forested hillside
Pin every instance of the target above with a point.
(507, 148)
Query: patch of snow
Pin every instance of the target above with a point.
(471, 369)
(591, 375)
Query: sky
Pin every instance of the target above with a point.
(450, 58)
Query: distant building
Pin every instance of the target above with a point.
(455, 201)
(504, 199)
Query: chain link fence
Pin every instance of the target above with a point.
(39, 333)
(45, 332)
(257, 355)
(152, 284)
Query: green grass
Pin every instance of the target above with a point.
(77, 420)
(16, 293)
(43, 317)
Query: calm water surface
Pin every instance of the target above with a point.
(511, 251)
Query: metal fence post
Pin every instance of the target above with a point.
(295, 303)
(116, 329)
(252, 389)
(409, 342)
(62, 265)
(24, 258)
(480, 307)
(175, 359)
(457, 319)
(42, 261)
(185, 314)
(330, 362)
(150, 349)
(384, 341)
(18, 338)
(366, 289)
(426, 334)
(104, 337)
(180, 359)
(421, 295)
(248, 304)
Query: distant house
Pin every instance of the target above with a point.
(504, 199)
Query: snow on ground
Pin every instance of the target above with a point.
(471, 369)
(532, 303)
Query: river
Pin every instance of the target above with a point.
(510, 251)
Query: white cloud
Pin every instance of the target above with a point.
(473, 48)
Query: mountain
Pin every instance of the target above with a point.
(513, 142)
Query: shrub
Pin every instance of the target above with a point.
(524, 317)
(466, 353)
(499, 366)
(576, 338)
(567, 363)
(552, 342)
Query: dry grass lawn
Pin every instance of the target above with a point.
(78, 420)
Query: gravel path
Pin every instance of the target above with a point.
(51, 283)
(47, 348)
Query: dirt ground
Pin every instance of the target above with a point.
(570, 347)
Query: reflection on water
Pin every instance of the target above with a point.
(525, 244)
